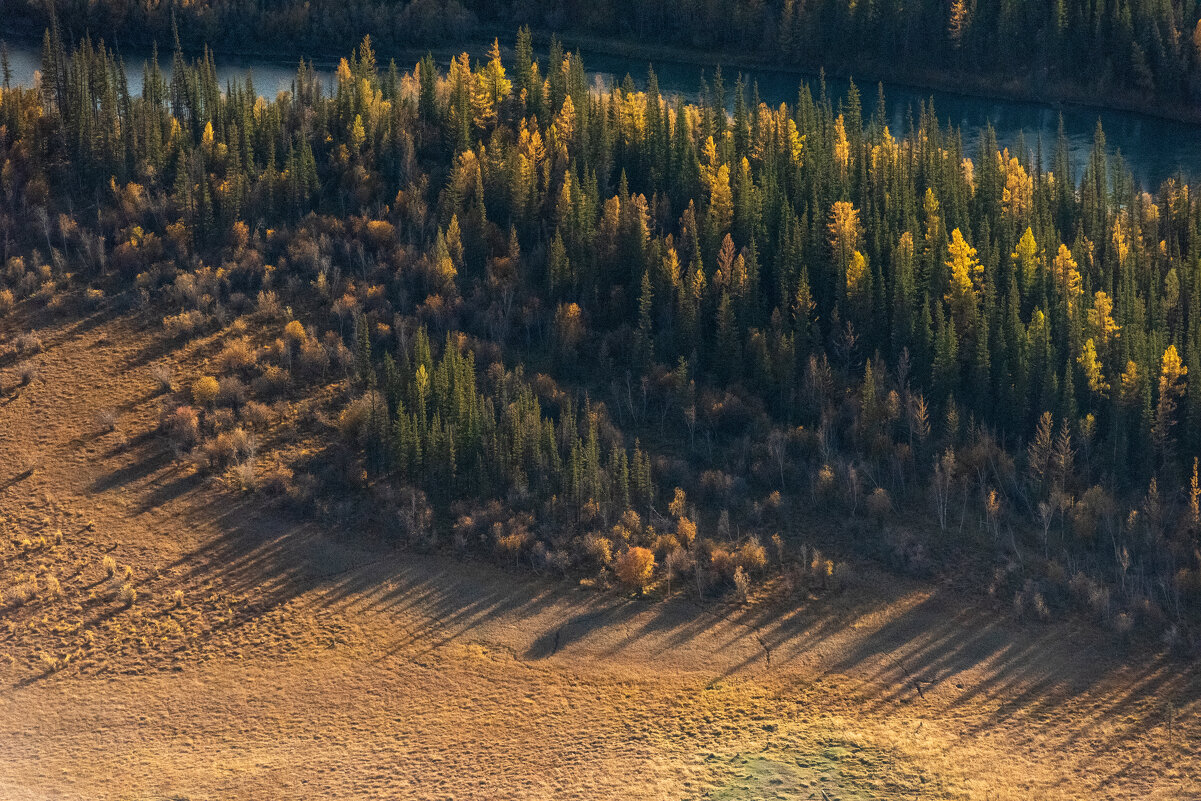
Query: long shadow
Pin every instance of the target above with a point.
(137, 470)
(17, 479)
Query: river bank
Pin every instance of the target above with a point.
(1155, 146)
(1030, 89)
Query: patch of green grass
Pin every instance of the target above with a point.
(834, 769)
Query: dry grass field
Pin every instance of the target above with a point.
(163, 636)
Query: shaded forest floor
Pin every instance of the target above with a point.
(304, 661)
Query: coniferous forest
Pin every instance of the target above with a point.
(610, 331)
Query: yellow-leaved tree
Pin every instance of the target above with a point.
(844, 233)
(1025, 258)
(1171, 386)
(1100, 319)
(966, 273)
(634, 567)
(1067, 276)
(1092, 369)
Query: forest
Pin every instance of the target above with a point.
(1136, 46)
(603, 331)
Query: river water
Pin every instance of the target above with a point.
(1154, 149)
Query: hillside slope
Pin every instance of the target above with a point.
(307, 662)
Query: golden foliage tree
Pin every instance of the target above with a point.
(634, 567)
(966, 273)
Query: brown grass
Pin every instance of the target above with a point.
(321, 663)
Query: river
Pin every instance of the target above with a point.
(1155, 149)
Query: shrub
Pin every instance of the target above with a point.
(751, 557)
(511, 539)
(256, 415)
(27, 373)
(717, 485)
(177, 599)
(721, 560)
(679, 564)
(879, 505)
(231, 392)
(236, 356)
(381, 232)
(294, 333)
(127, 594)
(20, 593)
(162, 376)
(184, 323)
(273, 381)
(51, 588)
(6, 300)
(742, 584)
(268, 304)
(205, 389)
(242, 475)
(313, 358)
(230, 447)
(110, 566)
(634, 568)
(599, 549)
(1094, 507)
(182, 426)
(28, 343)
(106, 419)
(356, 419)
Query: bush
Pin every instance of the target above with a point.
(161, 374)
(205, 389)
(231, 392)
(599, 549)
(634, 568)
(268, 304)
(294, 333)
(28, 343)
(742, 584)
(184, 323)
(237, 356)
(356, 419)
(182, 426)
(256, 415)
(751, 557)
(127, 594)
(231, 447)
(879, 505)
(273, 381)
(106, 419)
(20, 593)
